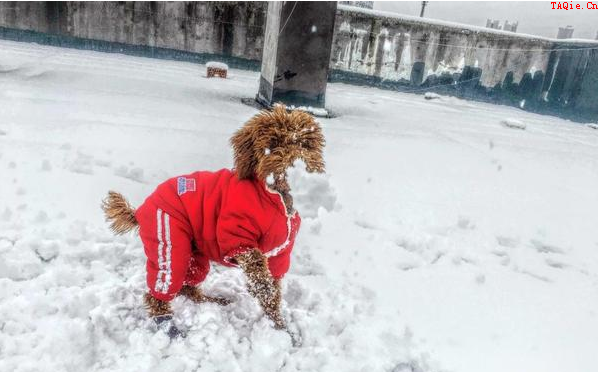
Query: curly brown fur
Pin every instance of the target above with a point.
(196, 295)
(156, 307)
(271, 141)
(119, 213)
(261, 285)
(281, 185)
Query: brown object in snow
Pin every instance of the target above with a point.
(215, 71)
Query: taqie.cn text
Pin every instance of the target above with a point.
(564, 5)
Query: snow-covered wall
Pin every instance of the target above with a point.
(415, 54)
(397, 47)
(369, 47)
(228, 28)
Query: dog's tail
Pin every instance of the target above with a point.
(119, 213)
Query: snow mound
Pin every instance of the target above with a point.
(315, 111)
(311, 191)
(218, 65)
(593, 126)
(513, 123)
(432, 95)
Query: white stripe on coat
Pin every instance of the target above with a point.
(158, 286)
(168, 263)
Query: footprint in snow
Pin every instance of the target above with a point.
(465, 223)
(365, 225)
(546, 248)
(556, 264)
(134, 174)
(103, 163)
(46, 166)
(506, 241)
(82, 164)
(42, 217)
(533, 275)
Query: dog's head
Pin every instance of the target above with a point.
(271, 141)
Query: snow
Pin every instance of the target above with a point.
(513, 123)
(218, 65)
(438, 240)
(316, 111)
(432, 95)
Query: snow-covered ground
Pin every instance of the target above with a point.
(439, 240)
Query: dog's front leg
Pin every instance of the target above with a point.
(161, 312)
(262, 285)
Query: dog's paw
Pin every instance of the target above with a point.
(166, 325)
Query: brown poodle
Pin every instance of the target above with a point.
(242, 217)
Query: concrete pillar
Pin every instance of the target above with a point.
(297, 45)
(565, 32)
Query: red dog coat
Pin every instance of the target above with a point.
(211, 216)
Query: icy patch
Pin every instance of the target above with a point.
(513, 123)
(311, 191)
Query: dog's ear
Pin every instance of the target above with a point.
(242, 143)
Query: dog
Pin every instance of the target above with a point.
(241, 217)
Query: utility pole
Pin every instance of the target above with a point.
(424, 3)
